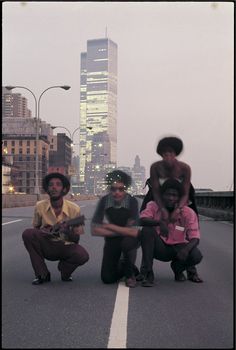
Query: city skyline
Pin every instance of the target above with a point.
(175, 69)
(19, 146)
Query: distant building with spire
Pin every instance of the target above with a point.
(139, 177)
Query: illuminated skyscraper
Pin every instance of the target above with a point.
(98, 110)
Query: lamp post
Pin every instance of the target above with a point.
(63, 127)
(71, 134)
(37, 114)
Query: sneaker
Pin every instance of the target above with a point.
(194, 277)
(130, 282)
(148, 280)
(66, 279)
(41, 280)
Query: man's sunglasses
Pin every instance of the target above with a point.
(120, 189)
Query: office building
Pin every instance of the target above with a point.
(98, 111)
(22, 148)
(60, 154)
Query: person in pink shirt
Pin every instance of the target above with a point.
(178, 243)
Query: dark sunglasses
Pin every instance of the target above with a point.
(120, 189)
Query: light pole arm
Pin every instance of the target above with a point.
(88, 127)
(74, 132)
(65, 87)
(63, 127)
(50, 87)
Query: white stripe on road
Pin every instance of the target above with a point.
(11, 222)
(118, 330)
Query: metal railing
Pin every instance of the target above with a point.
(223, 200)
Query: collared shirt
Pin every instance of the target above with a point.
(111, 203)
(182, 231)
(114, 213)
(44, 214)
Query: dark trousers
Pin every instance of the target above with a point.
(112, 268)
(153, 247)
(40, 247)
(149, 197)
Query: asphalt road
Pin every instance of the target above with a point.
(79, 314)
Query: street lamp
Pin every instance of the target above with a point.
(63, 127)
(37, 114)
(71, 134)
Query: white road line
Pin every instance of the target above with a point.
(11, 222)
(118, 330)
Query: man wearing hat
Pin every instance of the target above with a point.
(42, 244)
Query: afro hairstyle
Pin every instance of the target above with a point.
(170, 142)
(118, 176)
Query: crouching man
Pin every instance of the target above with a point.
(167, 241)
(55, 236)
(115, 219)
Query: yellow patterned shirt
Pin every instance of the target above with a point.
(44, 214)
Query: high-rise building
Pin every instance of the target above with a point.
(7, 103)
(138, 174)
(60, 154)
(98, 111)
(14, 105)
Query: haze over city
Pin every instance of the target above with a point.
(175, 74)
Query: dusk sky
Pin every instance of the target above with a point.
(175, 74)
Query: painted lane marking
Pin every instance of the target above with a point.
(118, 330)
(11, 222)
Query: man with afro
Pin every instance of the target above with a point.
(115, 219)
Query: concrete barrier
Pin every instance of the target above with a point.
(216, 214)
(218, 205)
(27, 200)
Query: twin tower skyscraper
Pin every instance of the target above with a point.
(98, 114)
